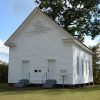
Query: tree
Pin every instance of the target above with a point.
(96, 64)
(3, 71)
(79, 17)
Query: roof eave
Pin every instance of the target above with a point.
(73, 40)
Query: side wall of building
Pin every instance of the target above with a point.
(82, 66)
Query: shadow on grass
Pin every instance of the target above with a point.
(5, 89)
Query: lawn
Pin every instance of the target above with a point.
(87, 93)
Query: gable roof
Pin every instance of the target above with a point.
(73, 39)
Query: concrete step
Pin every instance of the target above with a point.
(49, 84)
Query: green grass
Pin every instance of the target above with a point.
(87, 93)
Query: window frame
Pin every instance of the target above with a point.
(86, 67)
(78, 65)
(89, 68)
(36, 71)
(82, 66)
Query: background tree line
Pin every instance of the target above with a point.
(3, 72)
(96, 63)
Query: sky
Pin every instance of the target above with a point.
(12, 14)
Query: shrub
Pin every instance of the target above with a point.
(3, 72)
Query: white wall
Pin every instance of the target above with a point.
(82, 54)
(37, 46)
(38, 40)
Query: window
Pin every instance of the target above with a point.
(86, 67)
(39, 70)
(35, 70)
(82, 67)
(77, 65)
(89, 68)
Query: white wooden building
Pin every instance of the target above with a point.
(42, 50)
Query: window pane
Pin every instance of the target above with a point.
(89, 68)
(39, 70)
(35, 70)
(77, 65)
(86, 67)
(82, 67)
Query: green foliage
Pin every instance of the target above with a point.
(79, 17)
(96, 65)
(3, 72)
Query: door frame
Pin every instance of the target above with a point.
(28, 69)
(48, 70)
